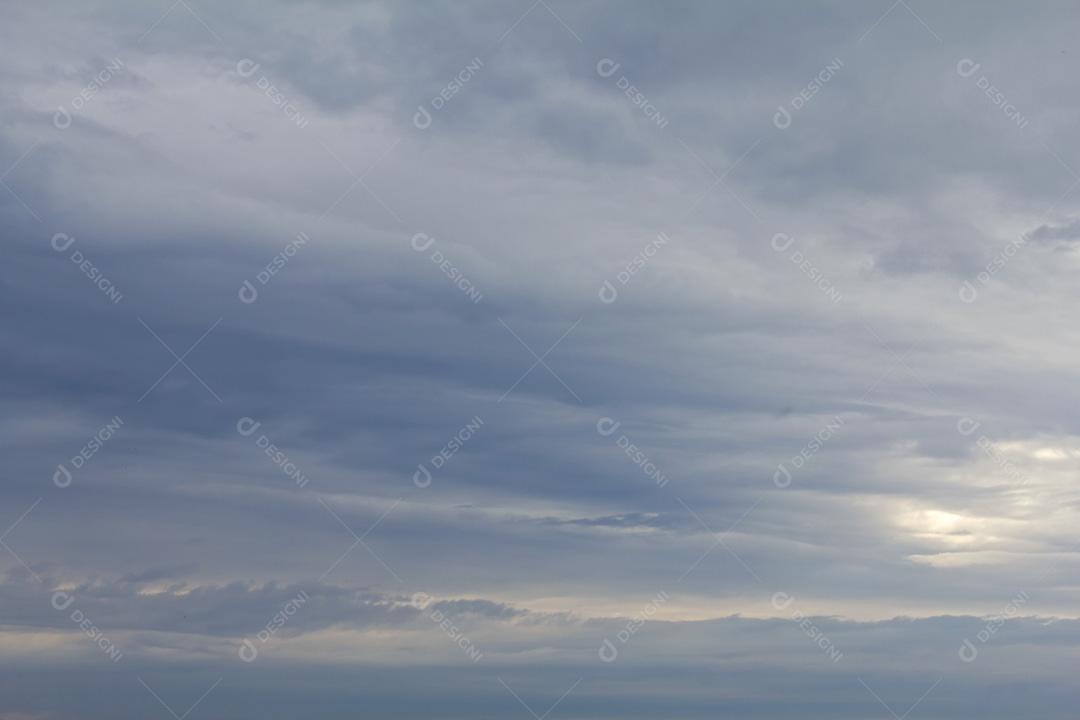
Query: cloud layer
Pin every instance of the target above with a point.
(474, 360)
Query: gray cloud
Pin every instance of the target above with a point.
(837, 418)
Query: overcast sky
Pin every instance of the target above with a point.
(552, 360)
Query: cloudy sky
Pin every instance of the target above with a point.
(552, 360)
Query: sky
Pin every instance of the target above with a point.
(541, 359)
